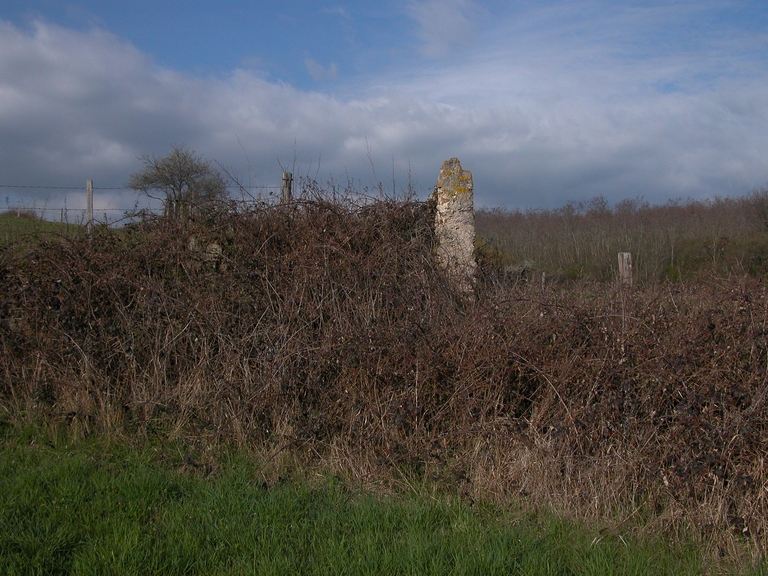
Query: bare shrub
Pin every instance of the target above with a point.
(27, 213)
(677, 240)
(326, 334)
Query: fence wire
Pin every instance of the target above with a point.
(44, 209)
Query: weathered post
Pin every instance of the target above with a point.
(285, 191)
(89, 205)
(455, 223)
(625, 269)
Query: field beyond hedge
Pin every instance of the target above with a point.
(322, 335)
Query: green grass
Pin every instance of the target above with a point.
(95, 507)
(15, 228)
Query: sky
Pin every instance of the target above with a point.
(545, 101)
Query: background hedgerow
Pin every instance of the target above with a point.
(678, 240)
(323, 331)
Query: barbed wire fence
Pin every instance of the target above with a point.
(63, 210)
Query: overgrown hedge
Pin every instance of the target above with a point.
(324, 328)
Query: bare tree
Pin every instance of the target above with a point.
(187, 184)
(759, 197)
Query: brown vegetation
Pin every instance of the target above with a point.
(20, 213)
(325, 332)
(678, 240)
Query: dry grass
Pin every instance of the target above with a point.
(326, 336)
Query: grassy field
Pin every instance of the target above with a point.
(18, 225)
(98, 507)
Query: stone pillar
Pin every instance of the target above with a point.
(455, 223)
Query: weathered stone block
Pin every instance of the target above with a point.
(455, 223)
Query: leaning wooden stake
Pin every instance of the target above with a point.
(625, 269)
(285, 191)
(89, 205)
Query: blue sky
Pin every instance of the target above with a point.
(545, 102)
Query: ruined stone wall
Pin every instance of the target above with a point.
(455, 223)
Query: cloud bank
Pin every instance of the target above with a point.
(544, 108)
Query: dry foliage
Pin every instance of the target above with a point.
(324, 331)
(676, 241)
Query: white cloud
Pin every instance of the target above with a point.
(319, 72)
(536, 122)
(445, 23)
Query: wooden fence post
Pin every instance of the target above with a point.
(625, 269)
(89, 205)
(285, 191)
